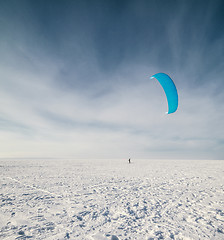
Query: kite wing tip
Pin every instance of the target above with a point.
(169, 112)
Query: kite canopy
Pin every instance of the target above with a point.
(169, 89)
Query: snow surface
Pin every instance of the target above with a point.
(99, 200)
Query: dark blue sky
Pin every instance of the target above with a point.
(83, 67)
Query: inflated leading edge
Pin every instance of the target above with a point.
(169, 89)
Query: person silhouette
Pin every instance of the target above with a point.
(129, 160)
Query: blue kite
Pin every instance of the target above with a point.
(169, 89)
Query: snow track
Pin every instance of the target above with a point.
(111, 200)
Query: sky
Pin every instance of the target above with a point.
(75, 79)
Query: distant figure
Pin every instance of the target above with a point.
(129, 160)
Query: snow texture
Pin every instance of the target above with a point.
(102, 200)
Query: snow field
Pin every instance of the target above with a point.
(111, 199)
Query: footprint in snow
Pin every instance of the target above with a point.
(114, 237)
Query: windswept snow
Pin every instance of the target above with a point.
(99, 200)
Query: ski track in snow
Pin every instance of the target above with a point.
(102, 200)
